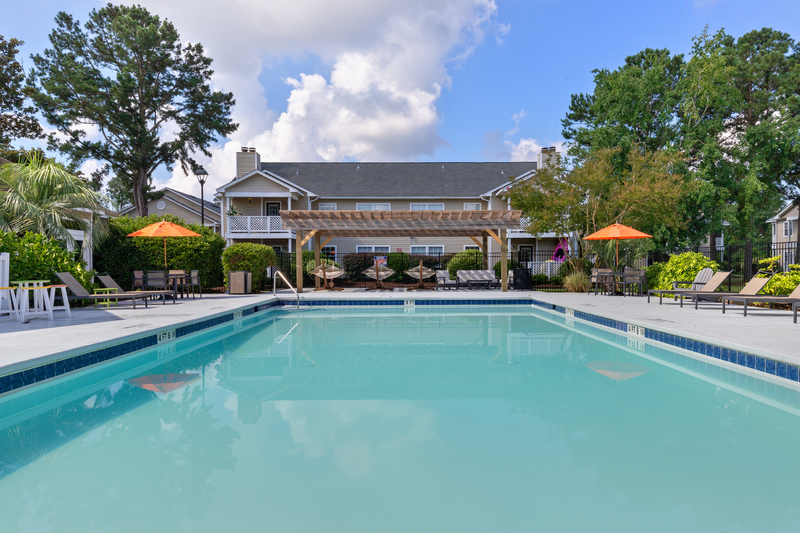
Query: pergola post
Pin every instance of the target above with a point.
(317, 247)
(485, 251)
(504, 259)
(298, 236)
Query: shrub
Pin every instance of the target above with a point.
(783, 282)
(577, 282)
(575, 264)
(653, 274)
(511, 265)
(680, 267)
(539, 279)
(247, 256)
(466, 260)
(35, 256)
(119, 255)
(555, 280)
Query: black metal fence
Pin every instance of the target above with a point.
(742, 260)
(545, 273)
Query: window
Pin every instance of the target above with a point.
(429, 250)
(328, 251)
(787, 229)
(774, 230)
(373, 249)
(471, 247)
(373, 207)
(427, 207)
(472, 206)
(161, 205)
(327, 207)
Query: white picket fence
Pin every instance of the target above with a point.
(5, 268)
(548, 268)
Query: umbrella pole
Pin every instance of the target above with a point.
(617, 263)
(165, 254)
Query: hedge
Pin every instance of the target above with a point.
(466, 260)
(35, 256)
(247, 256)
(119, 255)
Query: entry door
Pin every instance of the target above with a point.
(273, 209)
(525, 254)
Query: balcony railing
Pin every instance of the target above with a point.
(239, 224)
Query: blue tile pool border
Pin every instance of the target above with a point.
(774, 367)
(28, 376)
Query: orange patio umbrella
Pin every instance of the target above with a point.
(164, 382)
(617, 232)
(164, 229)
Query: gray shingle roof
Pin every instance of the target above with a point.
(208, 205)
(398, 180)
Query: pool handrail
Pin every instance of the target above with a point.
(275, 281)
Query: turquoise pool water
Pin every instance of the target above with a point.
(365, 420)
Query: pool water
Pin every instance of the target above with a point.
(365, 420)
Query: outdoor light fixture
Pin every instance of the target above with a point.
(201, 175)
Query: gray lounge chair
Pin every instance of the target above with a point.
(443, 280)
(752, 288)
(485, 278)
(702, 279)
(80, 293)
(109, 283)
(792, 298)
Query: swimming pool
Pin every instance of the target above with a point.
(385, 419)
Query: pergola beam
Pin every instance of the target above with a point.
(494, 236)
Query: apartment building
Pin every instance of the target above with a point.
(251, 203)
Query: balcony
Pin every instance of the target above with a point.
(239, 226)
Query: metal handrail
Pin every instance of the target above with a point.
(275, 281)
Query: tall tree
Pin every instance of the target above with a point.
(16, 119)
(127, 74)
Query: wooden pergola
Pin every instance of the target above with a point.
(477, 225)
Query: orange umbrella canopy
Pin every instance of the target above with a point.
(164, 382)
(164, 229)
(617, 232)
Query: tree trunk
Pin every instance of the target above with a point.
(139, 199)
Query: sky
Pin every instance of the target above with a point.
(416, 80)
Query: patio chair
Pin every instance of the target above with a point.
(792, 298)
(80, 293)
(599, 280)
(109, 283)
(191, 281)
(633, 277)
(138, 279)
(155, 279)
(443, 280)
(180, 280)
(700, 281)
(752, 288)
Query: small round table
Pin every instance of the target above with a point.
(41, 302)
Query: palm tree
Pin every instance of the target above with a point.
(40, 195)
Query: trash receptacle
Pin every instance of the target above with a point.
(240, 282)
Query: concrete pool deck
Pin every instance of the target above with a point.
(765, 332)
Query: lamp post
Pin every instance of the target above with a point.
(202, 176)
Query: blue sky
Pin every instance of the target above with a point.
(433, 80)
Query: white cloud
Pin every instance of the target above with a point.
(359, 436)
(517, 118)
(524, 150)
(389, 64)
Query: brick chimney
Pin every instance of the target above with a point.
(247, 161)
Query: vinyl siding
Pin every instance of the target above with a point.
(257, 184)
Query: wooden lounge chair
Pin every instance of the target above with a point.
(80, 293)
(792, 298)
(705, 281)
(752, 288)
(109, 283)
(443, 280)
